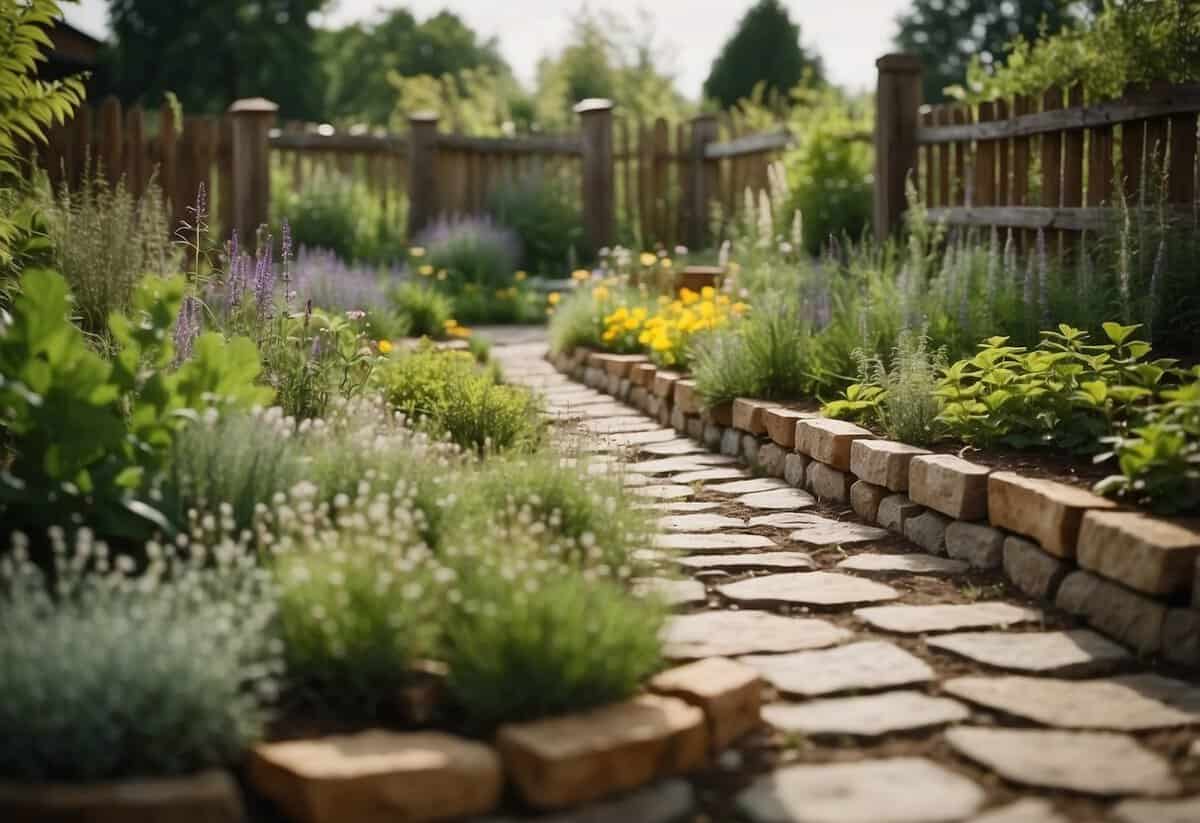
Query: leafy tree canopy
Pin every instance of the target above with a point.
(764, 50)
(948, 34)
(210, 54)
(1135, 41)
(363, 61)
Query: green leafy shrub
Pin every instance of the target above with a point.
(104, 240)
(545, 216)
(424, 309)
(532, 646)
(512, 304)
(1159, 459)
(84, 432)
(1066, 393)
(338, 214)
(109, 674)
(470, 250)
(450, 396)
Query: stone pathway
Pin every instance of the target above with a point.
(905, 688)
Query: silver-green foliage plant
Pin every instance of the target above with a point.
(900, 398)
(110, 673)
(104, 240)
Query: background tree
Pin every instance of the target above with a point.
(210, 54)
(607, 56)
(948, 35)
(765, 49)
(362, 60)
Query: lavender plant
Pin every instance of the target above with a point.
(469, 250)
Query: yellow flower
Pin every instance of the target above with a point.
(553, 297)
(600, 293)
(519, 276)
(688, 296)
(647, 258)
(441, 275)
(708, 292)
(417, 251)
(425, 270)
(385, 346)
(579, 275)
(666, 262)
(449, 324)
(738, 308)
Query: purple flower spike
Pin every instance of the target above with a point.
(187, 328)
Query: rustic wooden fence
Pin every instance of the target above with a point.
(1055, 162)
(662, 181)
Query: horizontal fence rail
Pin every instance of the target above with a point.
(1054, 162)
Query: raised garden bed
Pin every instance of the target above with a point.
(1129, 574)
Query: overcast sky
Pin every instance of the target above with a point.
(849, 34)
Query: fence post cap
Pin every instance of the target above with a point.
(423, 116)
(593, 104)
(899, 62)
(253, 105)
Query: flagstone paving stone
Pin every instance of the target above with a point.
(807, 589)
(1134, 702)
(869, 716)
(707, 475)
(945, 617)
(1073, 653)
(664, 491)
(871, 664)
(618, 425)
(777, 499)
(712, 542)
(686, 507)
(1186, 810)
(893, 790)
(674, 448)
(728, 633)
(757, 484)
(748, 561)
(837, 532)
(789, 520)
(672, 592)
(903, 563)
(1022, 811)
(686, 463)
(1100, 763)
(655, 435)
(699, 523)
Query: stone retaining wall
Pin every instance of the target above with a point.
(1127, 574)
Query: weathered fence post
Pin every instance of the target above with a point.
(596, 131)
(252, 120)
(703, 174)
(897, 99)
(422, 170)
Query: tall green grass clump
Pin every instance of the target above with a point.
(112, 674)
(574, 322)
(762, 356)
(104, 240)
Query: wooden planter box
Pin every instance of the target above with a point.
(207, 797)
